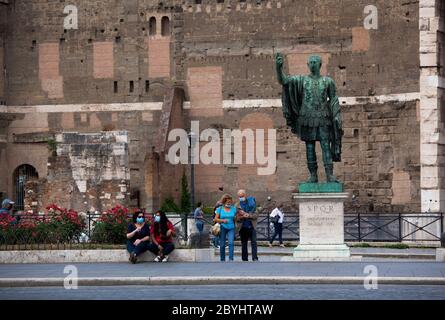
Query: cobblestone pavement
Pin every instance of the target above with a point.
(242, 292)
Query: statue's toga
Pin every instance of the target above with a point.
(312, 111)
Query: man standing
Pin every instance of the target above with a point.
(248, 221)
(6, 210)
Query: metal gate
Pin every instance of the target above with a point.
(23, 173)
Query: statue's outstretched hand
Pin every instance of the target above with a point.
(279, 60)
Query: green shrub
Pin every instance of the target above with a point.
(208, 211)
(169, 205)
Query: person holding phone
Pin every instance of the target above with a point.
(248, 221)
(138, 236)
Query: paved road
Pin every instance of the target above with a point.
(243, 292)
(320, 269)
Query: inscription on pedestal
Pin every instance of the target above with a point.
(321, 223)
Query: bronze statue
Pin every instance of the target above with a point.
(312, 111)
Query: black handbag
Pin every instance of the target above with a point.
(276, 218)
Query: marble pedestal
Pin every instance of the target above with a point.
(321, 227)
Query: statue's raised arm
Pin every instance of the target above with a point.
(279, 62)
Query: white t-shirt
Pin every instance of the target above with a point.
(278, 212)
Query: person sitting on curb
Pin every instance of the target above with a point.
(138, 236)
(162, 232)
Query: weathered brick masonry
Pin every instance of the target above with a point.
(146, 67)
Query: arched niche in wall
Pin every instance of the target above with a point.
(165, 26)
(21, 175)
(152, 26)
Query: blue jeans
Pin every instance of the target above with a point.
(168, 248)
(200, 226)
(140, 248)
(230, 234)
(215, 241)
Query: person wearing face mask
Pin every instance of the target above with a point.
(138, 236)
(248, 223)
(162, 232)
(225, 215)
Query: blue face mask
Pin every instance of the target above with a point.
(158, 218)
(242, 199)
(140, 220)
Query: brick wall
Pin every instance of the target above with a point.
(238, 37)
(380, 160)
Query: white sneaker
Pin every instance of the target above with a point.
(158, 259)
(165, 259)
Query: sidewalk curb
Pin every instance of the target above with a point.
(130, 281)
(412, 256)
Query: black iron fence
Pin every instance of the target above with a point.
(89, 231)
(368, 227)
(84, 231)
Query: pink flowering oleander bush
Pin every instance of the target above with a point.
(111, 226)
(58, 225)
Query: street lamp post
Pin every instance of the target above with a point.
(192, 144)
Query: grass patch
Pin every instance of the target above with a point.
(387, 246)
(361, 245)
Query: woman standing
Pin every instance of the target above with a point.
(225, 215)
(162, 232)
(138, 236)
(277, 217)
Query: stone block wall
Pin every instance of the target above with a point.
(432, 103)
(92, 169)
